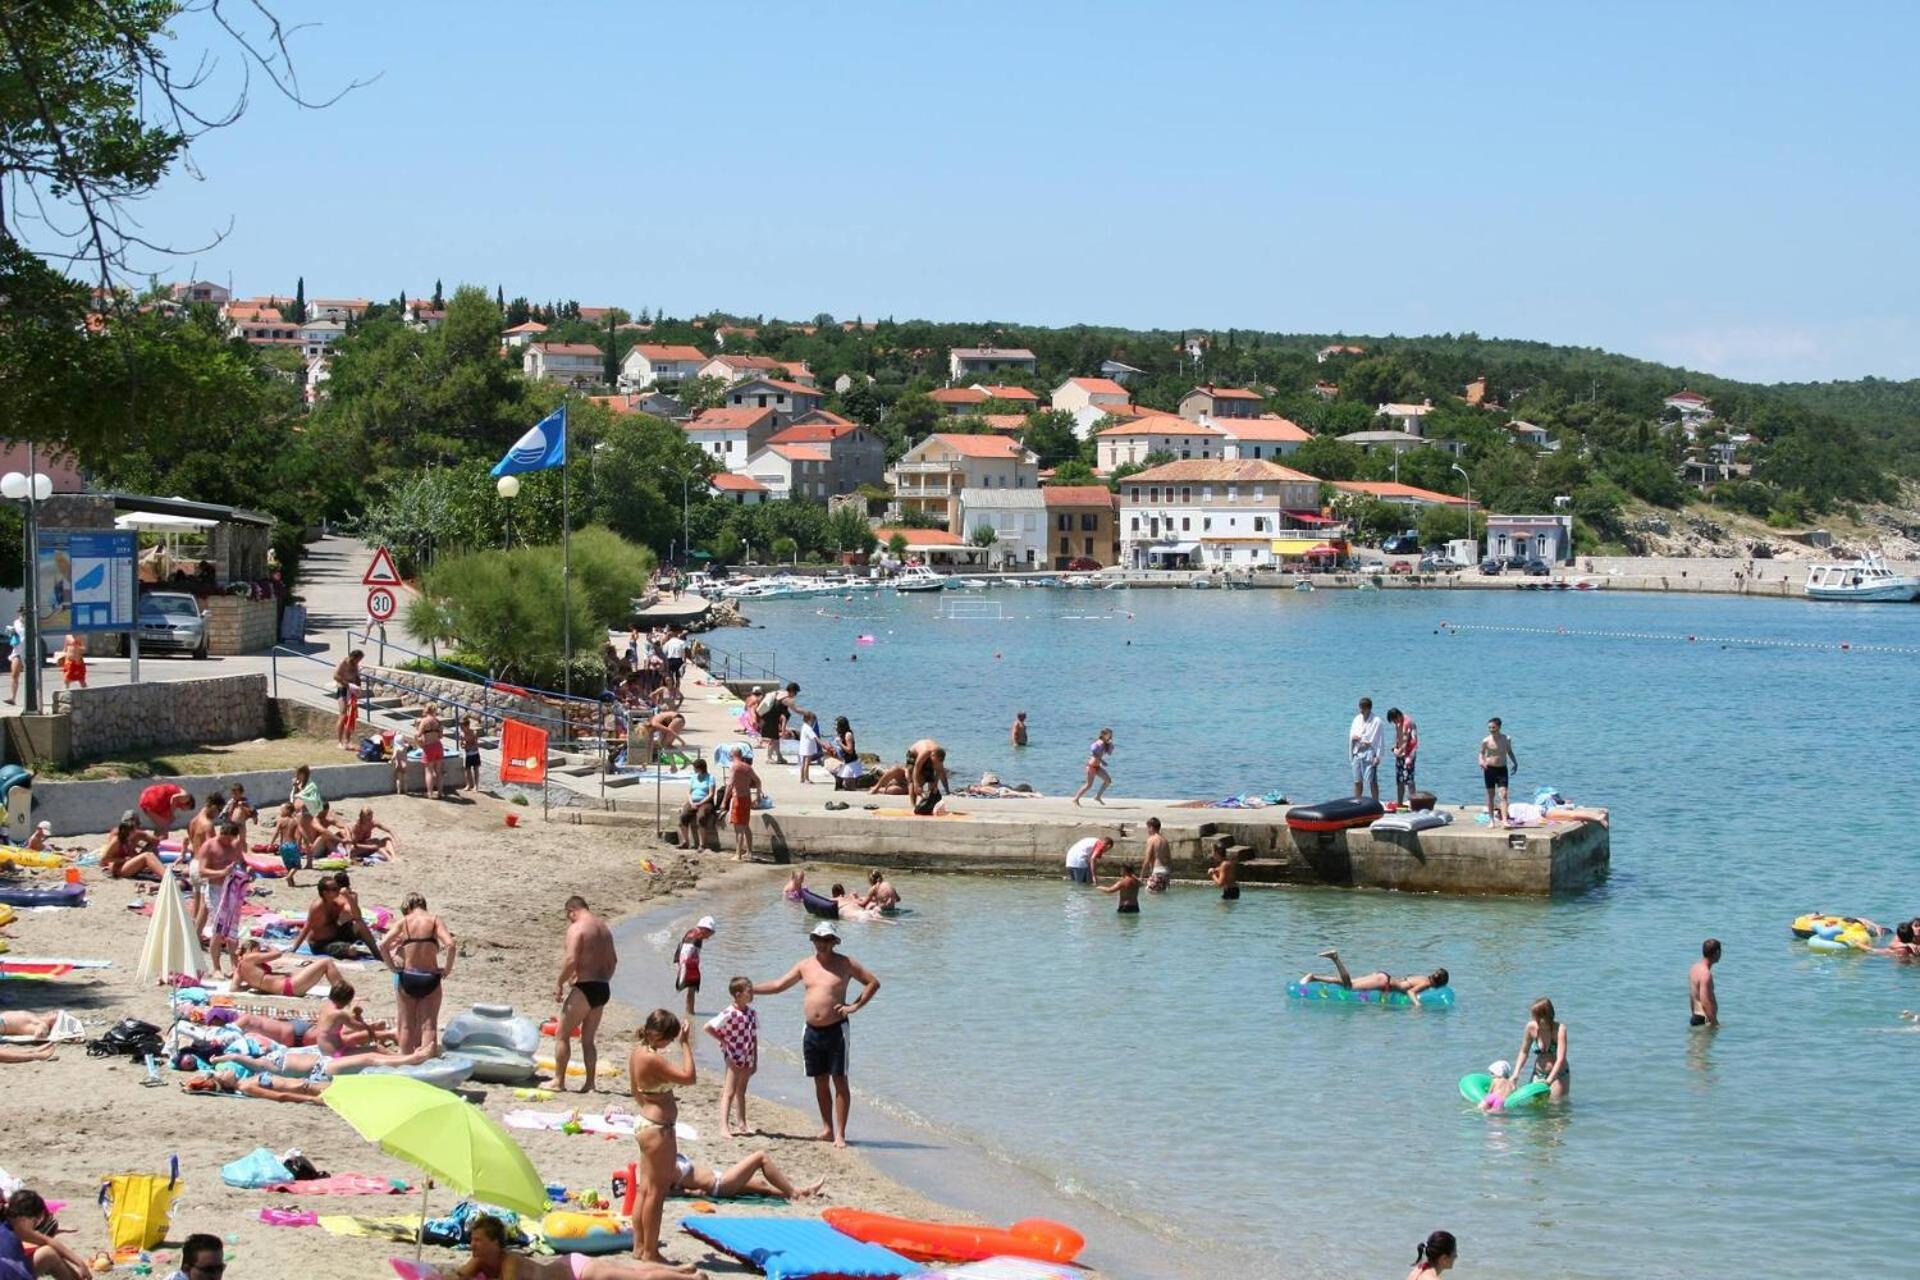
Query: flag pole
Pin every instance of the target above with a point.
(566, 556)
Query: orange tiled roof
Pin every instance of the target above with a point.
(653, 351)
(725, 480)
(920, 537)
(1010, 393)
(1099, 386)
(957, 395)
(1077, 495)
(1393, 489)
(1161, 424)
(812, 433)
(1268, 428)
(1217, 471)
(569, 348)
(739, 418)
(979, 446)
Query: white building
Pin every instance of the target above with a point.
(1216, 514)
(967, 363)
(1129, 443)
(788, 400)
(317, 335)
(1548, 537)
(521, 334)
(572, 364)
(217, 295)
(1018, 518)
(1103, 394)
(1267, 436)
(649, 364)
(930, 477)
(1410, 418)
(733, 368)
(340, 309)
(730, 436)
(743, 490)
(792, 471)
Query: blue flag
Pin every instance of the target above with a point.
(542, 447)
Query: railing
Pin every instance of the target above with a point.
(754, 665)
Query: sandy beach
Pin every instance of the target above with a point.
(75, 1119)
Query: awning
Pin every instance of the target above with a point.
(1294, 546)
(158, 521)
(1310, 517)
(1174, 549)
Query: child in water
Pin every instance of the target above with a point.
(1128, 887)
(1503, 1082)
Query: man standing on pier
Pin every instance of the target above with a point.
(1406, 748)
(828, 1042)
(1363, 745)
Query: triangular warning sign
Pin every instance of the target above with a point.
(381, 572)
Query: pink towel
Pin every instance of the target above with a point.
(343, 1184)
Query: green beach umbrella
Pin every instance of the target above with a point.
(440, 1132)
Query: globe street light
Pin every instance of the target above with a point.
(18, 487)
(508, 487)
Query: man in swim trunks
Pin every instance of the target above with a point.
(346, 691)
(1406, 746)
(828, 1041)
(1156, 866)
(1128, 887)
(1378, 980)
(587, 967)
(332, 927)
(213, 861)
(1704, 1005)
(686, 959)
(927, 779)
(1497, 764)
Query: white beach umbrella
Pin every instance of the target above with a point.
(173, 944)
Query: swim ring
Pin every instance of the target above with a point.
(1848, 931)
(571, 1231)
(1475, 1087)
(24, 857)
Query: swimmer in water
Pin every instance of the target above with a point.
(1704, 1005)
(1019, 730)
(1378, 980)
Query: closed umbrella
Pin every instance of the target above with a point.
(173, 944)
(439, 1131)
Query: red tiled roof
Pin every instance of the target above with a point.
(1099, 386)
(1161, 424)
(1692, 396)
(1273, 428)
(1204, 469)
(531, 326)
(957, 395)
(1010, 393)
(1393, 489)
(569, 348)
(1077, 495)
(739, 418)
(655, 351)
(801, 453)
(725, 480)
(790, 388)
(812, 433)
(919, 537)
(979, 446)
(1001, 421)
(824, 417)
(1228, 393)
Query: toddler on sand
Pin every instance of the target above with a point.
(737, 1028)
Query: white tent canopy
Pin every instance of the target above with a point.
(156, 522)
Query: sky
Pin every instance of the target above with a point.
(1729, 187)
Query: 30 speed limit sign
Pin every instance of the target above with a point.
(381, 604)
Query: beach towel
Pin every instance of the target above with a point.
(67, 1029)
(615, 1124)
(908, 813)
(398, 1227)
(343, 1184)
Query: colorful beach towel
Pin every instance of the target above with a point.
(343, 1184)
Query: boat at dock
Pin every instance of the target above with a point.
(918, 578)
(1866, 579)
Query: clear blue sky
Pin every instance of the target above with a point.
(1727, 186)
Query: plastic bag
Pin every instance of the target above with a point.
(258, 1168)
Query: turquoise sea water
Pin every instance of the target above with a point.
(1154, 1064)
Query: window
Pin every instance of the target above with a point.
(1089, 522)
(1133, 494)
(1029, 522)
(1259, 524)
(1206, 523)
(1259, 492)
(1186, 524)
(1153, 495)
(1062, 522)
(1066, 546)
(1206, 493)
(1135, 525)
(1153, 526)
(1186, 495)
(1089, 543)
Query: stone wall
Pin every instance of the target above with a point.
(462, 697)
(123, 717)
(236, 625)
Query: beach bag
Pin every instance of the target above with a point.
(372, 751)
(139, 1207)
(258, 1168)
(128, 1038)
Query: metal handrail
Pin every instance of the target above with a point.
(740, 666)
(466, 673)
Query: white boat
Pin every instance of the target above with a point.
(918, 578)
(1867, 578)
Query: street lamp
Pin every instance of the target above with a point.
(1469, 480)
(508, 487)
(33, 490)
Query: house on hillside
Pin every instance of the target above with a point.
(736, 487)
(730, 436)
(931, 547)
(1206, 403)
(190, 292)
(571, 364)
(1129, 443)
(1104, 394)
(1410, 418)
(1398, 442)
(929, 477)
(855, 455)
(1267, 436)
(1216, 514)
(1396, 494)
(339, 309)
(792, 472)
(1533, 437)
(317, 335)
(649, 364)
(734, 368)
(658, 404)
(954, 401)
(1334, 349)
(521, 334)
(965, 363)
(788, 400)
(267, 333)
(1120, 373)
(1692, 407)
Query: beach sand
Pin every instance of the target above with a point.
(74, 1120)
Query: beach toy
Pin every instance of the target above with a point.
(534, 1095)
(52, 895)
(1334, 815)
(572, 1231)
(864, 640)
(271, 866)
(1829, 945)
(513, 819)
(1036, 1238)
(1334, 993)
(444, 1072)
(20, 856)
(1847, 930)
(819, 904)
(1475, 1087)
(792, 1248)
(1413, 820)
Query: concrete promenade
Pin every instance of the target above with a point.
(1030, 836)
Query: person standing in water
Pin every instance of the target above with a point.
(1019, 731)
(827, 1045)
(1127, 885)
(1156, 865)
(1225, 873)
(1097, 752)
(1545, 1039)
(686, 959)
(1704, 1004)
(1437, 1253)
(583, 988)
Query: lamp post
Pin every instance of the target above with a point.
(33, 489)
(508, 487)
(1469, 480)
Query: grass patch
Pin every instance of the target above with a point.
(198, 761)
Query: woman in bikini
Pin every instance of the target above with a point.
(432, 750)
(1437, 1253)
(492, 1260)
(129, 852)
(420, 951)
(1378, 980)
(756, 1175)
(230, 1077)
(1546, 1040)
(1097, 752)
(253, 971)
(652, 1079)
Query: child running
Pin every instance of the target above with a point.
(737, 1029)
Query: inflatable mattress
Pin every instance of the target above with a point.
(49, 895)
(1413, 820)
(818, 904)
(1334, 815)
(797, 1248)
(1334, 993)
(1036, 1238)
(447, 1071)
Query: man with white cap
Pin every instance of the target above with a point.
(686, 960)
(828, 1042)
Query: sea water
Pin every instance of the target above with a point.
(1153, 1064)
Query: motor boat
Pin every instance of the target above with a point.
(1867, 579)
(918, 578)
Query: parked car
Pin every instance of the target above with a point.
(1401, 544)
(1439, 564)
(172, 622)
(1538, 568)
(1492, 565)
(1400, 566)
(1083, 564)
(1516, 563)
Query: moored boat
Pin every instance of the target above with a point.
(1866, 579)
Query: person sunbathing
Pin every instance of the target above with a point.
(253, 971)
(1378, 980)
(17, 1024)
(11, 1054)
(367, 837)
(316, 1064)
(294, 1032)
(132, 851)
(231, 1078)
(492, 1260)
(891, 781)
(754, 1176)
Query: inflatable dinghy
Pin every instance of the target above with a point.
(1334, 815)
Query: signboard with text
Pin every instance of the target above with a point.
(86, 580)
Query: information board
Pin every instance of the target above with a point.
(86, 580)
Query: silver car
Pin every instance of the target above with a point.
(172, 622)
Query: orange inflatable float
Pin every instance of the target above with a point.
(1035, 1238)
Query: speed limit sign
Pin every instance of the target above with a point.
(381, 604)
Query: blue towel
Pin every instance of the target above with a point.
(796, 1248)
